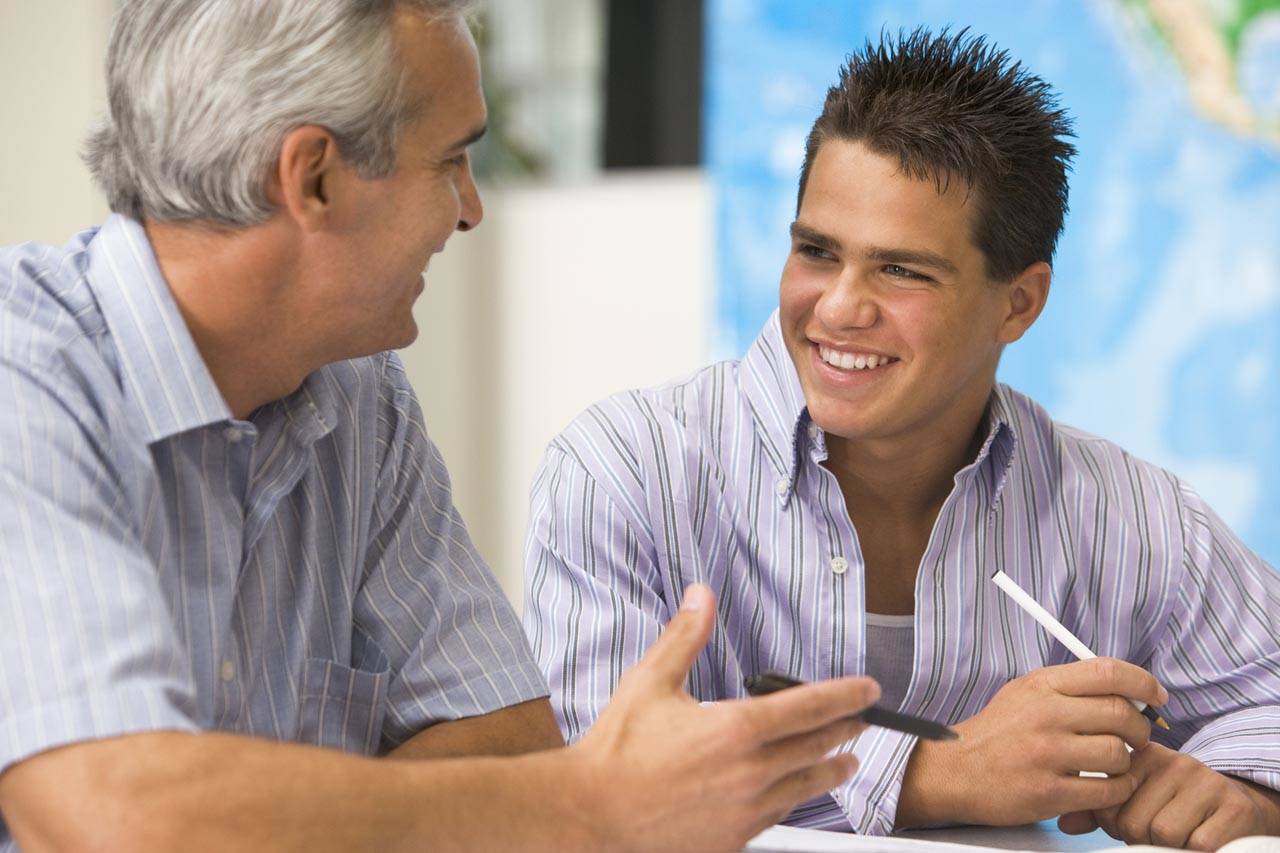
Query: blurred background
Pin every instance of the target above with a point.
(640, 175)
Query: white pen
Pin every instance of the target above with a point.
(1058, 630)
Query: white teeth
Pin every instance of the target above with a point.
(849, 361)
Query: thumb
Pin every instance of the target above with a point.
(1077, 823)
(669, 660)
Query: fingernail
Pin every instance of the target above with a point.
(873, 691)
(1164, 694)
(695, 598)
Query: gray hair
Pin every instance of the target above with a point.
(201, 94)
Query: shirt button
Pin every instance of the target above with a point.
(228, 670)
(839, 565)
(813, 430)
(232, 434)
(781, 487)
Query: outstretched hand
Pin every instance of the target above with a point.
(687, 776)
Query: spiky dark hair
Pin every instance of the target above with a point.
(955, 107)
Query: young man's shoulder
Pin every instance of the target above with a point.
(1077, 458)
(682, 411)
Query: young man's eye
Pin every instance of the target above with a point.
(811, 251)
(902, 272)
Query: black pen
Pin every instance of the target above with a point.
(772, 682)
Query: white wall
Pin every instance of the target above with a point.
(567, 295)
(51, 67)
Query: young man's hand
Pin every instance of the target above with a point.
(1019, 759)
(1181, 803)
(666, 773)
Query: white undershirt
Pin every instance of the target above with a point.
(890, 653)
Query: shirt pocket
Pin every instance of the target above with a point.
(343, 707)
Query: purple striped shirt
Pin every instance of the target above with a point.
(718, 478)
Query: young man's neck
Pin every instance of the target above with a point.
(233, 289)
(908, 477)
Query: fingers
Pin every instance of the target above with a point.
(1107, 715)
(806, 708)
(1106, 676)
(1219, 828)
(1133, 820)
(669, 659)
(1172, 825)
(1078, 794)
(796, 788)
(786, 756)
(1096, 753)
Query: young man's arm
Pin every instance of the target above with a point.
(657, 771)
(1219, 656)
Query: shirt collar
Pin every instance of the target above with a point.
(772, 390)
(995, 457)
(161, 370)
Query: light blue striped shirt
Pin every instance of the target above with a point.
(719, 478)
(302, 575)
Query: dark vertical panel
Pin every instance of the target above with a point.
(653, 84)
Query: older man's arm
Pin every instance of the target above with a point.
(526, 727)
(657, 771)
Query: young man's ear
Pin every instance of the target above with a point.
(1026, 294)
(306, 176)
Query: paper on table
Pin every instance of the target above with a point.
(791, 839)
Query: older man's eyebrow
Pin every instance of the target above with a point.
(913, 257)
(801, 233)
(472, 137)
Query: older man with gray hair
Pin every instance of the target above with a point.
(234, 589)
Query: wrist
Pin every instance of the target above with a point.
(1268, 802)
(580, 775)
(929, 794)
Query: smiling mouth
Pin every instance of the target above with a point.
(853, 361)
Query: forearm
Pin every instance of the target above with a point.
(173, 791)
(515, 730)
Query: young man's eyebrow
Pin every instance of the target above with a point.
(915, 257)
(805, 234)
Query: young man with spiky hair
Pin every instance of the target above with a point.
(849, 487)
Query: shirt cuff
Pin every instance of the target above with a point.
(870, 799)
(1244, 743)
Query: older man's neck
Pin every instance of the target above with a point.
(234, 289)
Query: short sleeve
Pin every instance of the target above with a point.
(88, 649)
(427, 598)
